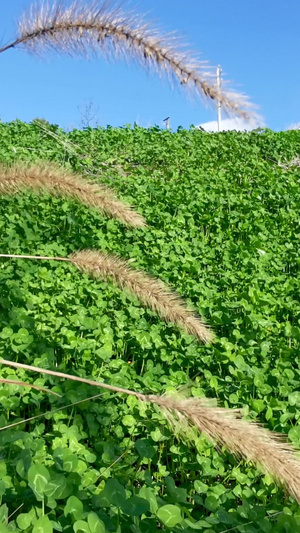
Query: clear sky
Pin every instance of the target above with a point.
(256, 42)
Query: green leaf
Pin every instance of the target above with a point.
(57, 487)
(43, 525)
(294, 435)
(177, 495)
(105, 352)
(24, 520)
(6, 333)
(211, 503)
(169, 515)
(95, 524)
(81, 527)
(200, 487)
(135, 506)
(199, 525)
(225, 517)
(74, 506)
(148, 494)
(3, 469)
(129, 420)
(3, 513)
(2, 488)
(65, 460)
(294, 398)
(113, 493)
(38, 477)
(258, 405)
(145, 448)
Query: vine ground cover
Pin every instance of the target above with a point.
(223, 231)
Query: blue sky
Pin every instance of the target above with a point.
(256, 42)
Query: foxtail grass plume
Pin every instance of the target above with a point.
(295, 162)
(151, 292)
(244, 439)
(223, 426)
(55, 180)
(103, 28)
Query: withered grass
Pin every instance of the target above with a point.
(224, 427)
(58, 181)
(104, 28)
(151, 292)
(26, 384)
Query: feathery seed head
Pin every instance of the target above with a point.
(102, 28)
(50, 178)
(150, 291)
(242, 438)
(223, 426)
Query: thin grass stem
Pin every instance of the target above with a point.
(223, 426)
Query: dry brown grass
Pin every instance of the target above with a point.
(293, 163)
(152, 292)
(102, 28)
(25, 384)
(242, 438)
(224, 427)
(55, 180)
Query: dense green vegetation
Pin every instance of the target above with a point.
(224, 232)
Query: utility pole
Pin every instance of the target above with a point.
(167, 122)
(219, 70)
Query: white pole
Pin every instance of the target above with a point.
(167, 123)
(219, 70)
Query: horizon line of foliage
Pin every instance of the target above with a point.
(224, 232)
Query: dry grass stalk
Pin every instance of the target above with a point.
(75, 149)
(51, 412)
(25, 384)
(152, 292)
(46, 177)
(84, 29)
(295, 162)
(223, 426)
(242, 438)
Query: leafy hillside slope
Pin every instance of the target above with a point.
(224, 232)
